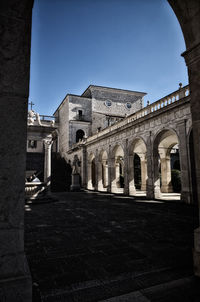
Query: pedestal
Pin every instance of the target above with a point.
(75, 186)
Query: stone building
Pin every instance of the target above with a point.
(97, 108)
(15, 20)
(139, 146)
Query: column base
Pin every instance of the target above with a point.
(143, 187)
(166, 189)
(126, 190)
(186, 197)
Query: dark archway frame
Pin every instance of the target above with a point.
(15, 39)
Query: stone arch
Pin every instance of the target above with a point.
(79, 135)
(117, 169)
(188, 15)
(163, 144)
(91, 168)
(103, 171)
(137, 150)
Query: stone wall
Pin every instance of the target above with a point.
(76, 103)
(94, 112)
(63, 131)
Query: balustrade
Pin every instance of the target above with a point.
(32, 188)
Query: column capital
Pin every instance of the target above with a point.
(192, 55)
(47, 143)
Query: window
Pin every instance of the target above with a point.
(79, 135)
(128, 105)
(32, 144)
(80, 113)
(108, 103)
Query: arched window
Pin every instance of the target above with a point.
(79, 135)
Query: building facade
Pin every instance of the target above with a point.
(134, 154)
(97, 108)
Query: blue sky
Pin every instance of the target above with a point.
(127, 44)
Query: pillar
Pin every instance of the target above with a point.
(192, 58)
(184, 163)
(151, 162)
(96, 170)
(143, 174)
(102, 175)
(89, 175)
(126, 168)
(132, 190)
(105, 173)
(166, 186)
(110, 169)
(84, 167)
(15, 37)
(115, 175)
(47, 162)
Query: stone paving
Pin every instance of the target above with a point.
(87, 246)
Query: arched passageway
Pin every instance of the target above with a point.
(138, 167)
(103, 171)
(117, 170)
(167, 179)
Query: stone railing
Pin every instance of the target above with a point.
(176, 96)
(35, 119)
(47, 118)
(33, 188)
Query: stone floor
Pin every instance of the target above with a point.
(87, 247)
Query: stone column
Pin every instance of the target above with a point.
(15, 37)
(102, 175)
(151, 162)
(110, 169)
(115, 175)
(166, 175)
(143, 174)
(47, 162)
(126, 168)
(96, 170)
(84, 168)
(105, 170)
(89, 175)
(132, 190)
(192, 58)
(184, 163)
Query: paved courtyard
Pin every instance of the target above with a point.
(86, 246)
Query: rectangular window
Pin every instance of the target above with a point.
(80, 113)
